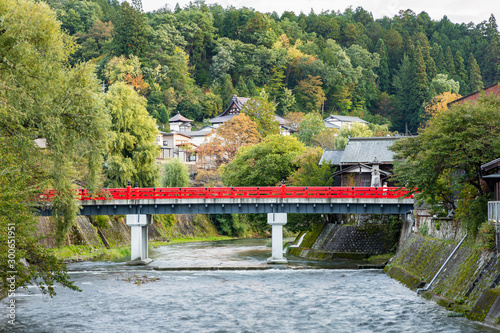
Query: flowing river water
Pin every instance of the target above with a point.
(305, 296)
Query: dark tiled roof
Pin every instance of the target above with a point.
(202, 132)
(346, 119)
(176, 133)
(179, 117)
(490, 165)
(330, 125)
(332, 156)
(364, 150)
(221, 119)
(282, 121)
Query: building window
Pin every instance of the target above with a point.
(165, 143)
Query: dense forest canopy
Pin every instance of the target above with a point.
(192, 59)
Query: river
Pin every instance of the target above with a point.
(306, 297)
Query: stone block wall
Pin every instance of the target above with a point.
(329, 240)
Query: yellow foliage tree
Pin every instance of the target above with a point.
(438, 104)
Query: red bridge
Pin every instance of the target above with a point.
(130, 193)
(139, 204)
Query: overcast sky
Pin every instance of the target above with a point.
(458, 11)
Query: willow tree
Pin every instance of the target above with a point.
(132, 151)
(41, 97)
(176, 174)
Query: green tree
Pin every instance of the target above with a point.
(438, 56)
(133, 150)
(449, 63)
(311, 125)
(403, 95)
(420, 83)
(430, 65)
(261, 111)
(176, 174)
(446, 158)
(310, 173)
(356, 130)
(475, 81)
(461, 73)
(43, 98)
(264, 164)
(241, 88)
(441, 84)
(18, 188)
(309, 94)
(383, 73)
(226, 89)
(131, 30)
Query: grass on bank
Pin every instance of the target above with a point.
(82, 252)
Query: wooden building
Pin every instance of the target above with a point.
(235, 105)
(361, 160)
(491, 174)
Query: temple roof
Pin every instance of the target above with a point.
(179, 117)
(362, 150)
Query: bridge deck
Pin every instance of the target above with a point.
(246, 200)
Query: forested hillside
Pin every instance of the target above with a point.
(191, 60)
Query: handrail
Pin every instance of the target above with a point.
(442, 267)
(133, 193)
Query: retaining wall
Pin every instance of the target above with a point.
(469, 283)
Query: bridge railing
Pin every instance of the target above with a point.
(130, 193)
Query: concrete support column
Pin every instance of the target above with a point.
(277, 221)
(138, 224)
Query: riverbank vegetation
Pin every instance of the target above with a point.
(444, 161)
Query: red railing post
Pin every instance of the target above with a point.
(129, 192)
(283, 191)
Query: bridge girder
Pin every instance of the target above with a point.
(238, 206)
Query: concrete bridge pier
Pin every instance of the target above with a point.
(277, 221)
(138, 224)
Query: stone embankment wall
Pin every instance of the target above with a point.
(334, 241)
(116, 233)
(437, 227)
(469, 283)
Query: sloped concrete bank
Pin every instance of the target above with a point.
(328, 241)
(468, 284)
(111, 232)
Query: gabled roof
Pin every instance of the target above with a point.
(330, 125)
(179, 117)
(345, 119)
(362, 150)
(491, 165)
(332, 156)
(222, 119)
(176, 133)
(282, 121)
(235, 102)
(365, 168)
(202, 132)
(486, 90)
